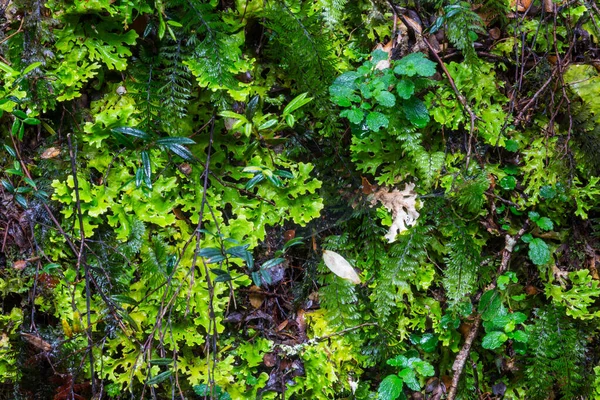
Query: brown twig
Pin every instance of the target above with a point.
(463, 354)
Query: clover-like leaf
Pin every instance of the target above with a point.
(493, 340)
(390, 388)
(539, 253)
(376, 120)
(416, 112)
(386, 99)
(415, 64)
(405, 88)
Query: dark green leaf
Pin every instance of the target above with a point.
(293, 242)
(490, 305)
(168, 141)
(161, 361)
(508, 183)
(283, 173)
(31, 121)
(123, 299)
(252, 182)
(221, 276)
(379, 55)
(275, 181)
(8, 186)
(19, 114)
(21, 200)
(272, 263)
(126, 130)
(15, 127)
(547, 192)
(181, 151)
(265, 275)
(511, 145)
(251, 107)
(416, 112)
(10, 150)
(159, 378)
(139, 177)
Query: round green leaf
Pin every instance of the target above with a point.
(390, 388)
(539, 252)
(493, 340)
(376, 120)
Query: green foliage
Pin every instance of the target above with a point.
(557, 352)
(171, 172)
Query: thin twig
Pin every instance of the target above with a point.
(463, 355)
(461, 99)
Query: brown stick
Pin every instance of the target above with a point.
(463, 354)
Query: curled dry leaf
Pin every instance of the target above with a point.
(339, 266)
(50, 152)
(256, 297)
(36, 341)
(402, 205)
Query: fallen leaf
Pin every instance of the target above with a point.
(20, 265)
(256, 298)
(339, 266)
(36, 341)
(50, 152)
(282, 326)
(289, 235)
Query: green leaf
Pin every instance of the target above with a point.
(405, 88)
(539, 253)
(493, 340)
(490, 305)
(251, 107)
(376, 120)
(31, 67)
(19, 114)
(21, 200)
(15, 127)
(547, 192)
(168, 141)
(159, 378)
(252, 182)
(415, 64)
(161, 361)
(293, 242)
(379, 55)
(212, 255)
(409, 377)
(123, 299)
(416, 112)
(511, 145)
(222, 276)
(8, 186)
(520, 336)
(270, 123)
(527, 237)
(296, 103)
(390, 388)
(139, 177)
(545, 224)
(283, 173)
(272, 263)
(386, 99)
(10, 150)
(31, 121)
(127, 130)
(508, 183)
(424, 368)
(147, 168)
(428, 342)
(354, 115)
(181, 151)
(533, 215)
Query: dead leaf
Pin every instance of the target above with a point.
(50, 152)
(282, 326)
(289, 235)
(20, 265)
(339, 266)
(367, 188)
(270, 359)
(36, 341)
(256, 298)
(495, 33)
(185, 168)
(521, 5)
(402, 205)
